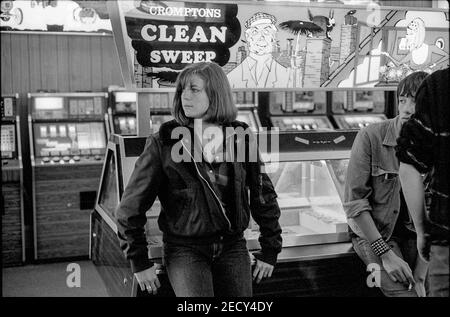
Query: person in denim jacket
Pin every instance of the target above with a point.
(207, 195)
(380, 226)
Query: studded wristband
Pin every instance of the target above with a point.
(380, 247)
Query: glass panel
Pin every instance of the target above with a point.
(109, 196)
(338, 171)
(8, 141)
(309, 200)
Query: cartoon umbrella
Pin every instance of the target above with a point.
(298, 27)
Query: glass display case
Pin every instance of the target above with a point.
(310, 187)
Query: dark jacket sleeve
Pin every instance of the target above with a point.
(264, 207)
(137, 198)
(416, 143)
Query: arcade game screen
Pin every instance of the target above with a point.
(69, 138)
(125, 125)
(8, 139)
(109, 197)
(125, 101)
(157, 120)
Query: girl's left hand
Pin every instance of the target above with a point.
(262, 270)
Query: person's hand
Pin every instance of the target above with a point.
(148, 280)
(423, 247)
(262, 270)
(420, 288)
(397, 269)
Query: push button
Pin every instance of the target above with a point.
(66, 159)
(55, 159)
(45, 159)
(76, 158)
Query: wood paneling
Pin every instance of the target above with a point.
(62, 227)
(64, 63)
(11, 225)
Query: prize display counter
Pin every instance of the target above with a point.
(68, 141)
(308, 172)
(12, 204)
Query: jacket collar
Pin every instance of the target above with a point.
(392, 132)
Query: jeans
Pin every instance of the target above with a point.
(438, 271)
(405, 248)
(206, 270)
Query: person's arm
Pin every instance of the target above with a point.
(415, 151)
(266, 212)
(358, 191)
(413, 190)
(138, 197)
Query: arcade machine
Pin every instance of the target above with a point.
(356, 109)
(160, 103)
(12, 205)
(299, 110)
(67, 146)
(247, 103)
(121, 112)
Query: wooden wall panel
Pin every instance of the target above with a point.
(48, 52)
(11, 225)
(96, 63)
(64, 63)
(34, 47)
(6, 63)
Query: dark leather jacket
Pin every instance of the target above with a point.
(191, 211)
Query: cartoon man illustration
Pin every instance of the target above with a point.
(420, 55)
(259, 69)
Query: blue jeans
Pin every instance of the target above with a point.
(405, 248)
(207, 270)
(438, 271)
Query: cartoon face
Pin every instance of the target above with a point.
(415, 34)
(261, 38)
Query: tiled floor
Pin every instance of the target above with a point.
(49, 280)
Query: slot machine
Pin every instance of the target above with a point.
(247, 103)
(122, 112)
(356, 109)
(299, 110)
(13, 229)
(67, 147)
(160, 105)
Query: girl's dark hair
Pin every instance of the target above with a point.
(409, 85)
(222, 109)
